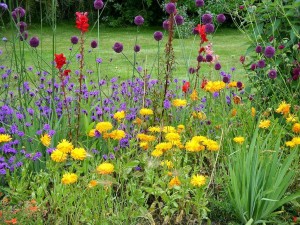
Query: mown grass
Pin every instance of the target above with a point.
(228, 44)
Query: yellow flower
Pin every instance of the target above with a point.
(5, 138)
(157, 153)
(214, 86)
(233, 112)
(78, 153)
(163, 146)
(253, 112)
(154, 129)
(144, 145)
(104, 126)
(291, 118)
(239, 140)
(193, 146)
(69, 178)
(92, 133)
(179, 102)
(232, 84)
(119, 115)
(290, 144)
(199, 115)
(167, 163)
(180, 127)
(138, 121)
(145, 137)
(199, 138)
(92, 183)
(198, 180)
(117, 134)
(46, 140)
(58, 156)
(65, 146)
(296, 140)
(105, 168)
(169, 129)
(296, 128)
(174, 182)
(172, 137)
(264, 124)
(194, 95)
(146, 112)
(283, 108)
(211, 145)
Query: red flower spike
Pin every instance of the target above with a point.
(66, 72)
(242, 59)
(204, 83)
(60, 60)
(201, 30)
(82, 21)
(186, 87)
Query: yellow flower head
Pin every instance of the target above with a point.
(211, 145)
(144, 145)
(146, 112)
(46, 140)
(194, 146)
(179, 102)
(117, 134)
(180, 127)
(253, 112)
(296, 140)
(78, 154)
(154, 129)
(69, 178)
(232, 84)
(65, 146)
(119, 115)
(194, 95)
(291, 118)
(214, 86)
(239, 140)
(92, 183)
(105, 168)
(283, 108)
(199, 139)
(104, 126)
(58, 156)
(233, 112)
(264, 124)
(198, 180)
(5, 138)
(174, 182)
(167, 163)
(145, 137)
(200, 115)
(92, 133)
(163, 146)
(172, 137)
(157, 153)
(296, 128)
(169, 129)
(290, 144)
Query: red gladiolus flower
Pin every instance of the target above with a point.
(201, 30)
(66, 72)
(60, 60)
(186, 87)
(204, 83)
(82, 21)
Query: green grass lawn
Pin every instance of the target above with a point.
(228, 43)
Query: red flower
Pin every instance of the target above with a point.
(66, 72)
(295, 218)
(60, 60)
(204, 83)
(201, 30)
(242, 59)
(186, 87)
(82, 21)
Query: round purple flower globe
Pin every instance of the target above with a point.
(221, 18)
(138, 20)
(158, 35)
(261, 63)
(118, 47)
(239, 84)
(170, 7)
(272, 74)
(195, 31)
(253, 66)
(200, 58)
(34, 42)
(199, 3)
(24, 36)
(22, 26)
(218, 66)
(137, 48)
(3, 6)
(192, 70)
(98, 4)
(166, 25)
(179, 20)
(94, 44)
(18, 12)
(226, 79)
(258, 49)
(206, 18)
(74, 40)
(209, 58)
(209, 28)
(269, 51)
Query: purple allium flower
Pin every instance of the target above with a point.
(118, 47)
(18, 13)
(22, 26)
(166, 25)
(226, 79)
(138, 20)
(209, 58)
(239, 84)
(99, 60)
(74, 40)
(272, 74)
(261, 63)
(136, 48)
(206, 18)
(221, 18)
(3, 6)
(179, 19)
(280, 47)
(94, 44)
(158, 35)
(269, 51)
(217, 66)
(24, 36)
(192, 70)
(253, 66)
(34, 42)
(200, 58)
(167, 104)
(98, 4)
(170, 7)
(258, 49)
(199, 3)
(209, 28)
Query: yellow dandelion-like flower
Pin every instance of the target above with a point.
(174, 182)
(5, 138)
(163, 146)
(145, 137)
(92, 133)
(172, 137)
(144, 145)
(214, 86)
(180, 127)
(193, 146)
(65, 146)
(104, 126)
(253, 112)
(169, 129)
(290, 144)
(179, 102)
(198, 180)
(283, 108)
(239, 140)
(105, 168)
(154, 129)
(296, 128)
(46, 140)
(200, 115)
(69, 178)
(92, 183)
(146, 112)
(264, 124)
(233, 112)
(232, 84)
(211, 145)
(157, 153)
(58, 156)
(117, 134)
(119, 115)
(167, 163)
(78, 154)
(296, 140)
(291, 118)
(199, 139)
(194, 95)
